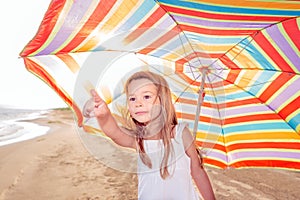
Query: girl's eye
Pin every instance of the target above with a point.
(147, 97)
(132, 99)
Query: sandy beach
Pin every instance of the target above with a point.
(58, 166)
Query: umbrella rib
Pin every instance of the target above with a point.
(259, 69)
(221, 121)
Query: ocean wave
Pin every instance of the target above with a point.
(14, 129)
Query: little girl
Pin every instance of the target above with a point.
(168, 159)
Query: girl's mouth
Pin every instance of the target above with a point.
(141, 113)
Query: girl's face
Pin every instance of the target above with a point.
(143, 102)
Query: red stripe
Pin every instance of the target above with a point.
(292, 29)
(249, 118)
(216, 32)
(264, 145)
(220, 16)
(267, 163)
(232, 76)
(151, 20)
(201, 118)
(45, 28)
(242, 102)
(99, 13)
(275, 86)
(234, 72)
(214, 146)
(228, 62)
(268, 47)
(48, 79)
(290, 108)
(215, 163)
(194, 102)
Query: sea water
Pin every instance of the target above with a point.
(14, 129)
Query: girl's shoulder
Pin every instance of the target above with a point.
(180, 127)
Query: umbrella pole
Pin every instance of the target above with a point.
(199, 102)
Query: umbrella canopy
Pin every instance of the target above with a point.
(235, 63)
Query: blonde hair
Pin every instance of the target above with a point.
(169, 120)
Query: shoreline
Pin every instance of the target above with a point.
(58, 166)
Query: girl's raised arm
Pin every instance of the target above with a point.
(109, 125)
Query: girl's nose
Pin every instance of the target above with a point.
(138, 103)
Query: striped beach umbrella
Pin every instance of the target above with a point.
(233, 68)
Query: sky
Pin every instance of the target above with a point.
(19, 88)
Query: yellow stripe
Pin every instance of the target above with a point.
(293, 114)
(262, 137)
(298, 129)
(246, 78)
(239, 55)
(214, 48)
(251, 63)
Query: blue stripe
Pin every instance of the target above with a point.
(295, 121)
(228, 9)
(255, 53)
(255, 127)
(203, 127)
(237, 95)
(262, 80)
(99, 48)
(214, 40)
(137, 16)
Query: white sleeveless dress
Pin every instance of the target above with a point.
(179, 185)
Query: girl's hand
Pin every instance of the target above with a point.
(109, 125)
(100, 108)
